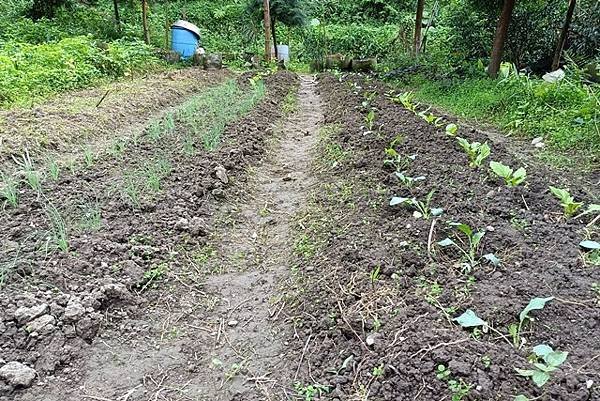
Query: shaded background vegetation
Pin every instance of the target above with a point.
(51, 46)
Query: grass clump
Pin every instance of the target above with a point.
(566, 113)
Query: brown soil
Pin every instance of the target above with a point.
(377, 275)
(126, 306)
(272, 268)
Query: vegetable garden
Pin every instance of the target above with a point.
(407, 209)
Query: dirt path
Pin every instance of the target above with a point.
(224, 338)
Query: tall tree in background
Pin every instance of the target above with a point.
(145, 21)
(288, 12)
(500, 38)
(267, 23)
(418, 27)
(563, 35)
(117, 16)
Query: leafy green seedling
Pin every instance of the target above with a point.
(546, 361)
(430, 118)
(422, 209)
(511, 177)
(311, 392)
(405, 99)
(515, 329)
(590, 245)
(370, 120)
(566, 201)
(451, 129)
(476, 151)
(9, 190)
(396, 160)
(468, 248)
(407, 181)
(378, 371)
(458, 388)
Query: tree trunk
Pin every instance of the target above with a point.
(145, 21)
(418, 26)
(563, 36)
(117, 16)
(273, 22)
(267, 22)
(500, 38)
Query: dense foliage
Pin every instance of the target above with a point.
(50, 46)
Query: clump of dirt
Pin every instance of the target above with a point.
(53, 305)
(378, 296)
(88, 118)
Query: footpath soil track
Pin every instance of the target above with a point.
(377, 295)
(120, 316)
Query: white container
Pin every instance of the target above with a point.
(283, 53)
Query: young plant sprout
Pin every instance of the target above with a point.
(476, 151)
(511, 177)
(545, 361)
(566, 201)
(515, 329)
(407, 181)
(405, 99)
(9, 190)
(54, 170)
(430, 118)
(32, 176)
(88, 157)
(421, 208)
(451, 129)
(370, 121)
(469, 248)
(60, 233)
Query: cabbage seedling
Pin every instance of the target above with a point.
(515, 329)
(468, 248)
(370, 120)
(405, 99)
(545, 361)
(396, 160)
(451, 129)
(430, 118)
(476, 151)
(511, 177)
(422, 209)
(407, 181)
(566, 201)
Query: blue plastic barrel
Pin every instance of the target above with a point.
(184, 38)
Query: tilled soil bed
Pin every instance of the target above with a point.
(377, 295)
(126, 220)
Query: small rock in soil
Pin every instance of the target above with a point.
(42, 325)
(221, 174)
(372, 338)
(17, 374)
(74, 310)
(24, 315)
(232, 323)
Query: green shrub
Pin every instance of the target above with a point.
(566, 114)
(29, 72)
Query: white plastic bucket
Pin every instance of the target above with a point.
(283, 52)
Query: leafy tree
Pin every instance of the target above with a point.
(288, 12)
